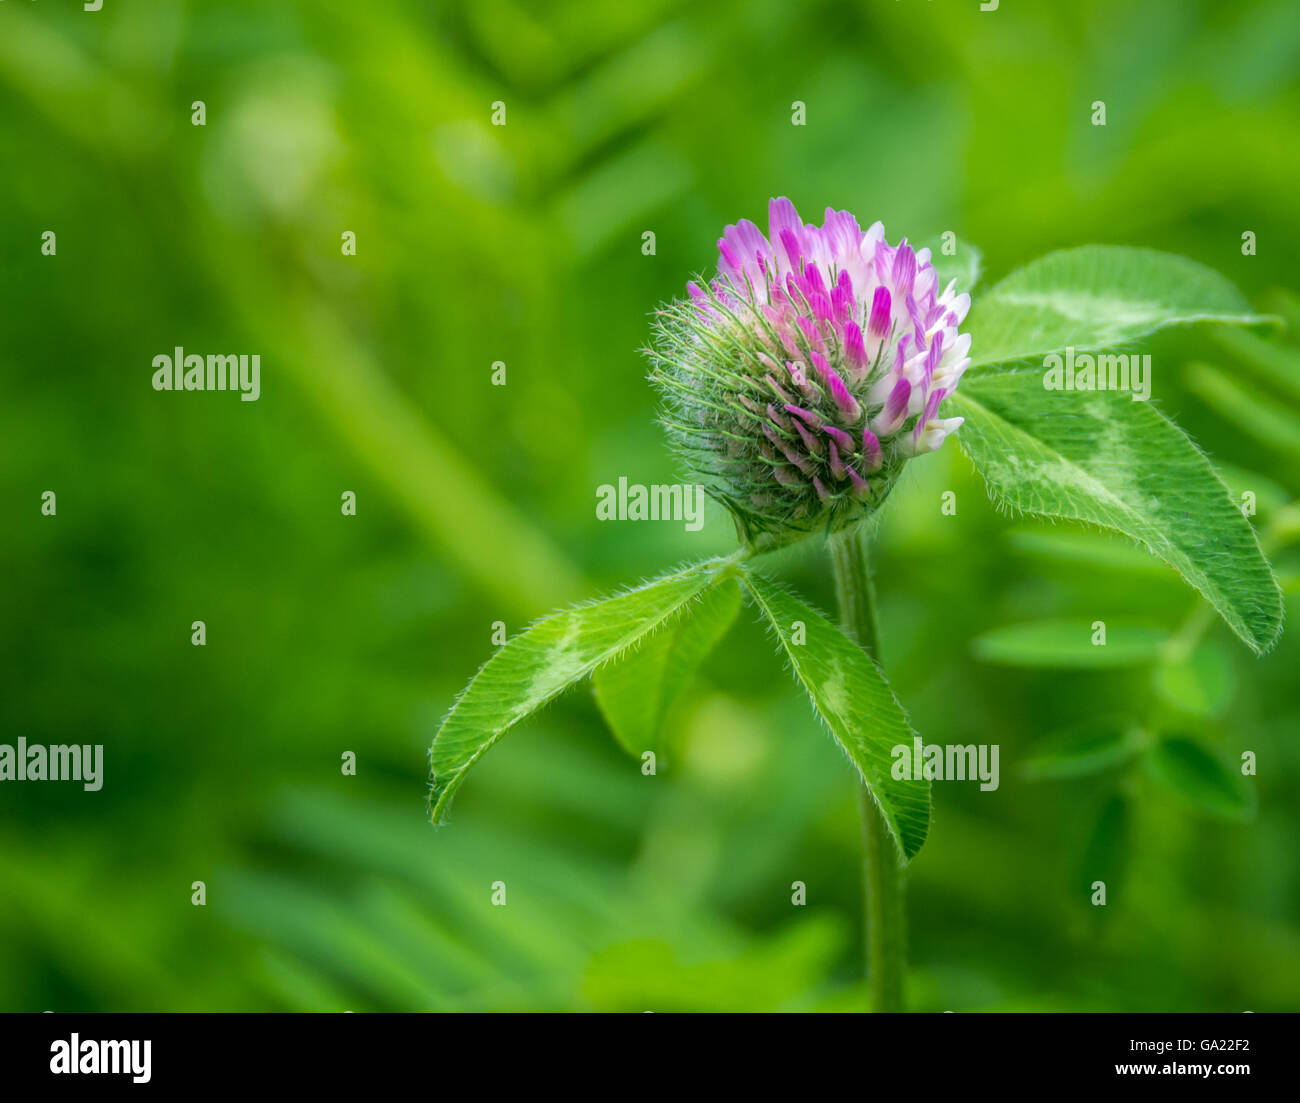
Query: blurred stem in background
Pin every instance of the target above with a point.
(882, 878)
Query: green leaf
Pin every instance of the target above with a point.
(1094, 297)
(1067, 644)
(1269, 496)
(1106, 852)
(774, 973)
(1087, 749)
(546, 659)
(1271, 361)
(1201, 778)
(636, 692)
(850, 694)
(1200, 684)
(1248, 408)
(1102, 458)
(1084, 546)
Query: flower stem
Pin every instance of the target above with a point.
(882, 877)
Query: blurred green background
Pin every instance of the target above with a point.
(523, 244)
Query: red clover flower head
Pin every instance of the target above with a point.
(798, 382)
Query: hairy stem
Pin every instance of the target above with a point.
(882, 877)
